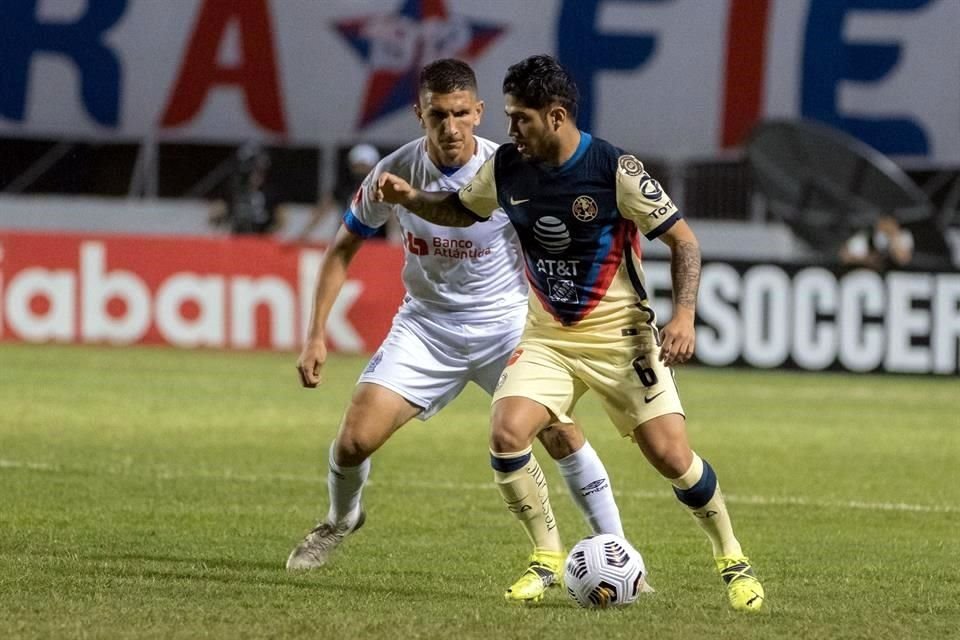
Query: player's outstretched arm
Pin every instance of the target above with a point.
(439, 207)
(330, 278)
(678, 335)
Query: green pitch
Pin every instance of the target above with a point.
(156, 493)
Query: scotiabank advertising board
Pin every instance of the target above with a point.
(239, 293)
(236, 293)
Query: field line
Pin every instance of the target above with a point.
(165, 473)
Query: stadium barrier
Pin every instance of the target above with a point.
(255, 293)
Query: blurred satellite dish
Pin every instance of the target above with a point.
(826, 184)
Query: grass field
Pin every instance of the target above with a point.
(155, 493)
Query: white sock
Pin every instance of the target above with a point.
(589, 485)
(345, 484)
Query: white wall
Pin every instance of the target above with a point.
(117, 215)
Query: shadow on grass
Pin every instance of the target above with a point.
(236, 564)
(253, 573)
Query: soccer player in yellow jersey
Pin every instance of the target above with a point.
(578, 205)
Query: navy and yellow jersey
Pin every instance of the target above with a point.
(579, 227)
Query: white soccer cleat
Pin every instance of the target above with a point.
(315, 549)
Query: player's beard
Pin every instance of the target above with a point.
(527, 153)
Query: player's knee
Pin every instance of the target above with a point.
(671, 458)
(509, 433)
(673, 463)
(506, 442)
(350, 451)
(354, 443)
(664, 443)
(515, 423)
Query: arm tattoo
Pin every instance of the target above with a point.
(441, 208)
(685, 273)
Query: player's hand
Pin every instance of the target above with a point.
(393, 189)
(311, 361)
(678, 339)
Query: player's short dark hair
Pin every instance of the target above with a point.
(539, 81)
(446, 76)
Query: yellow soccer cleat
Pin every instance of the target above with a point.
(542, 573)
(743, 589)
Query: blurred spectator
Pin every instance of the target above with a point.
(250, 205)
(886, 245)
(326, 216)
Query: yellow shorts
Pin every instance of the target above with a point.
(633, 385)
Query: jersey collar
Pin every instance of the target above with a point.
(585, 139)
(445, 170)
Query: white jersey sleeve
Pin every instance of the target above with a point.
(364, 215)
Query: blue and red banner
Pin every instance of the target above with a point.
(666, 78)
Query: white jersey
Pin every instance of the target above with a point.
(475, 270)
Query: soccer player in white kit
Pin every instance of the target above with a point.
(463, 313)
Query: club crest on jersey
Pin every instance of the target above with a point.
(374, 361)
(585, 208)
(630, 165)
(650, 188)
(514, 356)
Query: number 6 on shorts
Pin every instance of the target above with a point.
(647, 375)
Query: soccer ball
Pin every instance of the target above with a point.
(604, 571)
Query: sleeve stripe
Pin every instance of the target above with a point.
(664, 226)
(356, 227)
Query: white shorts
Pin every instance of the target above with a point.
(429, 360)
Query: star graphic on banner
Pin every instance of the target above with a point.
(395, 47)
